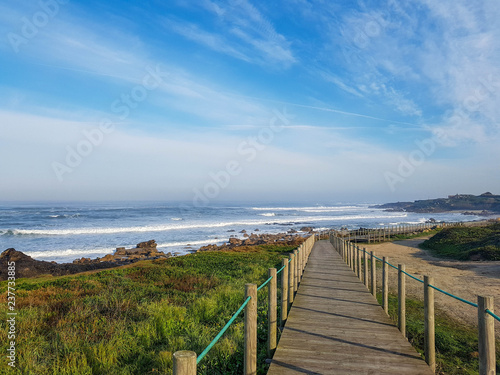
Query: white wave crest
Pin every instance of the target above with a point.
(170, 227)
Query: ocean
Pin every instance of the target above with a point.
(63, 232)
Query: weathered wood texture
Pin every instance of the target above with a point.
(336, 326)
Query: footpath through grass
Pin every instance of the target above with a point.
(131, 320)
(456, 343)
(466, 243)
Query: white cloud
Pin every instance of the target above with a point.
(211, 40)
(241, 31)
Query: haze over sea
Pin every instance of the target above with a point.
(63, 232)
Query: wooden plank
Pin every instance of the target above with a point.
(336, 326)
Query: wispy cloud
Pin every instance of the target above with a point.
(73, 46)
(210, 40)
(341, 84)
(239, 30)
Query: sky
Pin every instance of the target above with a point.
(208, 101)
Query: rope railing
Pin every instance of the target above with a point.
(222, 331)
(185, 362)
(433, 286)
(351, 253)
(493, 315)
(383, 233)
(264, 283)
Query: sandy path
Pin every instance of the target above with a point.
(465, 279)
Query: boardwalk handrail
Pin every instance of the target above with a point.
(351, 253)
(438, 289)
(185, 362)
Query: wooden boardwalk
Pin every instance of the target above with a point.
(335, 326)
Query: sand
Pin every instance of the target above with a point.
(466, 279)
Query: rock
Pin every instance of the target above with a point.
(29, 267)
(82, 261)
(235, 241)
(307, 229)
(208, 248)
(107, 258)
(257, 230)
(291, 231)
(147, 244)
(231, 230)
(245, 235)
(12, 255)
(256, 239)
(120, 251)
(243, 231)
(252, 241)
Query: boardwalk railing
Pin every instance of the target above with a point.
(357, 259)
(390, 231)
(185, 362)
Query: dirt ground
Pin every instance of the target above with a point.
(465, 279)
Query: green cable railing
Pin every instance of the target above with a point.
(493, 315)
(223, 330)
(233, 318)
(351, 254)
(436, 288)
(265, 283)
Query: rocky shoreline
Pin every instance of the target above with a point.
(26, 266)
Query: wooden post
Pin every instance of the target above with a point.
(401, 299)
(385, 285)
(184, 362)
(303, 259)
(365, 273)
(296, 270)
(486, 330)
(359, 261)
(291, 279)
(284, 292)
(430, 337)
(350, 255)
(300, 253)
(373, 273)
(348, 248)
(250, 360)
(354, 259)
(272, 312)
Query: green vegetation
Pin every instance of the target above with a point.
(456, 343)
(400, 237)
(466, 243)
(130, 320)
(459, 202)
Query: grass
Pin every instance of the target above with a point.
(399, 237)
(130, 320)
(466, 243)
(456, 343)
(410, 236)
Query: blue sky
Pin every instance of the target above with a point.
(245, 100)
